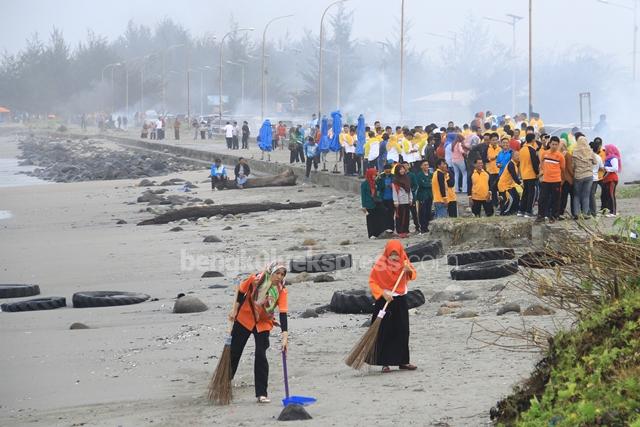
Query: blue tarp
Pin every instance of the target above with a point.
(266, 140)
(323, 145)
(361, 136)
(337, 128)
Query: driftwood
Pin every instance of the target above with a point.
(286, 178)
(196, 212)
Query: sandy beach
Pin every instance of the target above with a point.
(143, 365)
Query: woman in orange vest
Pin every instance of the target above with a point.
(253, 312)
(392, 344)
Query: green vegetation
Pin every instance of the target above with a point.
(629, 191)
(589, 376)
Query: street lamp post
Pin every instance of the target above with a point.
(633, 8)
(164, 52)
(320, 57)
(530, 58)
(241, 63)
(220, 81)
(513, 22)
(401, 60)
(112, 66)
(264, 70)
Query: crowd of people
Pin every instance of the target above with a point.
(503, 165)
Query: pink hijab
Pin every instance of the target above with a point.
(612, 151)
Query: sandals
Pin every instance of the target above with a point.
(408, 367)
(263, 399)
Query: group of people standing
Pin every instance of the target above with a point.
(502, 165)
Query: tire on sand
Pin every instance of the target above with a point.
(485, 270)
(425, 251)
(48, 303)
(17, 291)
(107, 298)
(470, 257)
(540, 259)
(361, 302)
(320, 263)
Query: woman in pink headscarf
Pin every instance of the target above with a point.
(612, 166)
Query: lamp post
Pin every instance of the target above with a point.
(241, 64)
(530, 58)
(164, 52)
(264, 69)
(320, 57)
(634, 8)
(112, 66)
(401, 60)
(513, 22)
(221, 62)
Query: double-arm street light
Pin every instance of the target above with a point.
(633, 8)
(513, 21)
(112, 66)
(264, 66)
(320, 56)
(221, 63)
(241, 63)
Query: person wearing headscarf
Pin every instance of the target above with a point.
(584, 160)
(612, 166)
(402, 199)
(598, 174)
(253, 313)
(372, 205)
(392, 344)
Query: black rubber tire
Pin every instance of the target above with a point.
(415, 298)
(17, 291)
(361, 302)
(485, 270)
(107, 298)
(470, 257)
(48, 303)
(351, 302)
(540, 259)
(425, 251)
(320, 263)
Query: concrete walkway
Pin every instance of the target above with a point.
(207, 150)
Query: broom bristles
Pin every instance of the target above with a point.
(220, 390)
(363, 351)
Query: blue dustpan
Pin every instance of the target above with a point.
(291, 400)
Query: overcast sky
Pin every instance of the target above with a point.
(558, 24)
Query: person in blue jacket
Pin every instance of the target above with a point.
(504, 157)
(218, 175)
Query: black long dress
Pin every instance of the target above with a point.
(392, 345)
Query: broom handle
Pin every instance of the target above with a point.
(286, 376)
(382, 312)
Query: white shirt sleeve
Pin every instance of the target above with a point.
(613, 167)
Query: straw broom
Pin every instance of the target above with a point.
(364, 349)
(220, 389)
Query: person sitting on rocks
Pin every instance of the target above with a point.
(242, 172)
(218, 175)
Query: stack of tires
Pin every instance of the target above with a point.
(359, 301)
(483, 264)
(80, 299)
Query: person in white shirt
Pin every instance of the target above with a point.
(228, 134)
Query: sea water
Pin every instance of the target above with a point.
(10, 176)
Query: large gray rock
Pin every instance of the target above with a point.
(189, 304)
(509, 308)
(212, 239)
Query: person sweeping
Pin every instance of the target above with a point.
(386, 343)
(253, 313)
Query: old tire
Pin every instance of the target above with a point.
(17, 291)
(107, 298)
(540, 259)
(485, 270)
(48, 303)
(320, 263)
(361, 302)
(415, 298)
(470, 257)
(425, 251)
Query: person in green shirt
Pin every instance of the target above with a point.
(372, 205)
(424, 196)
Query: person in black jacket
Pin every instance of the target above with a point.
(242, 172)
(245, 135)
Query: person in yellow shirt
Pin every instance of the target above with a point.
(479, 191)
(493, 170)
(440, 186)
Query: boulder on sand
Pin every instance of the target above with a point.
(189, 304)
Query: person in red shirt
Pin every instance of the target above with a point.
(281, 135)
(253, 313)
(392, 344)
(515, 143)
